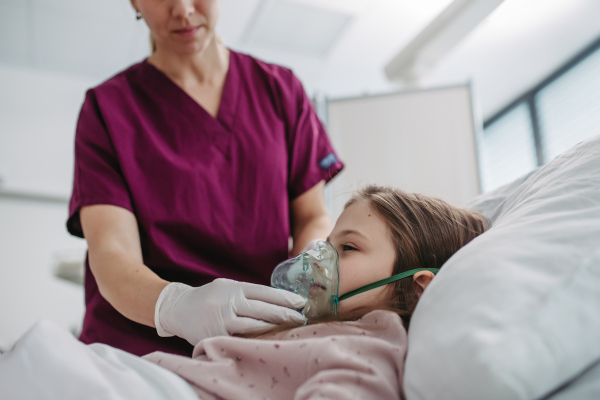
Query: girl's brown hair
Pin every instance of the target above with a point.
(425, 231)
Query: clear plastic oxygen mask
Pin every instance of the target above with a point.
(314, 275)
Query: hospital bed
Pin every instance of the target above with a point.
(515, 314)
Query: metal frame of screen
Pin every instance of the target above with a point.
(322, 103)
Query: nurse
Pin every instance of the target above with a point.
(192, 166)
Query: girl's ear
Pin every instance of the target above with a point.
(422, 278)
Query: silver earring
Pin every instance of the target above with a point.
(138, 15)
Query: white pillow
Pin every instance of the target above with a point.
(516, 312)
(490, 203)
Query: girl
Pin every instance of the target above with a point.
(382, 232)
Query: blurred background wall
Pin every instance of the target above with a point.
(532, 65)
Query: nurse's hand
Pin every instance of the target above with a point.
(223, 307)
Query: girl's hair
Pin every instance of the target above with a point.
(425, 231)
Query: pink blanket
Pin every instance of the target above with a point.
(350, 360)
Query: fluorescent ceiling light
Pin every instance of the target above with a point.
(416, 61)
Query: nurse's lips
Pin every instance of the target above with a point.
(187, 32)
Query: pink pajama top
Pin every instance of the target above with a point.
(211, 195)
(342, 360)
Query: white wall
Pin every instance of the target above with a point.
(32, 235)
(90, 37)
(38, 112)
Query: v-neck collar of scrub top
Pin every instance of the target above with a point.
(221, 125)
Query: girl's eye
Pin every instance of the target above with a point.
(345, 247)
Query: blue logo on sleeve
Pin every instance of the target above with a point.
(328, 161)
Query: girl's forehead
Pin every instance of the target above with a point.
(360, 216)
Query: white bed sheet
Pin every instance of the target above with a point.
(49, 363)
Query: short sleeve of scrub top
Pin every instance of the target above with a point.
(211, 195)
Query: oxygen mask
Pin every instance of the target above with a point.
(314, 275)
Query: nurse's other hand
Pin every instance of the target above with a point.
(223, 307)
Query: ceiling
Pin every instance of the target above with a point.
(336, 47)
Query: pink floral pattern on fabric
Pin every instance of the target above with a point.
(344, 360)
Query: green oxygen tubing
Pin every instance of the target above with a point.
(335, 299)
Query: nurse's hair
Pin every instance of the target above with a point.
(152, 43)
(425, 231)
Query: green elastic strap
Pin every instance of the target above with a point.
(393, 278)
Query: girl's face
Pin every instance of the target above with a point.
(182, 26)
(367, 254)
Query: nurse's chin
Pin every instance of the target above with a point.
(190, 46)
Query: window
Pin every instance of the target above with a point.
(508, 148)
(543, 123)
(569, 108)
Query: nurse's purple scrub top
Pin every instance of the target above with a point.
(211, 195)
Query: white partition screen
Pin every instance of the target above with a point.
(421, 141)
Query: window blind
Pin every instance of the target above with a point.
(508, 148)
(569, 107)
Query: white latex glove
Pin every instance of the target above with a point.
(223, 307)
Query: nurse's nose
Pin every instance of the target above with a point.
(183, 8)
